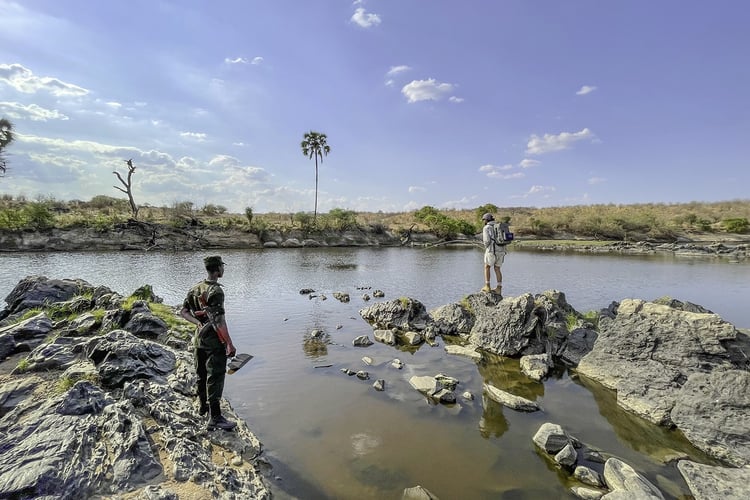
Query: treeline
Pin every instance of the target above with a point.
(657, 221)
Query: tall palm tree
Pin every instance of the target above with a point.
(314, 146)
(6, 137)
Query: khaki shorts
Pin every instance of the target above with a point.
(494, 258)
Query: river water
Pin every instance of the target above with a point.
(329, 435)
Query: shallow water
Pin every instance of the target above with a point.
(333, 436)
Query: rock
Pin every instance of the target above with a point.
(413, 338)
(535, 366)
(363, 375)
(379, 384)
(551, 438)
(578, 343)
(378, 294)
(567, 456)
(362, 341)
(649, 352)
(619, 476)
(418, 493)
(24, 336)
(708, 482)
(367, 360)
(15, 391)
(397, 363)
(511, 401)
(724, 434)
(468, 351)
(341, 296)
(385, 336)
(587, 493)
(403, 314)
(588, 476)
(433, 388)
(452, 319)
(467, 396)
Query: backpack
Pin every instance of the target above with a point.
(501, 233)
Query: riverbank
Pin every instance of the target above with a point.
(142, 236)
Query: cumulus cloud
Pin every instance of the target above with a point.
(586, 89)
(31, 112)
(23, 80)
(426, 90)
(548, 143)
(416, 189)
(365, 19)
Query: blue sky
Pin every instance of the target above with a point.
(452, 104)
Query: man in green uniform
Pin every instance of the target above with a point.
(204, 307)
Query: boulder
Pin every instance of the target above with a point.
(707, 482)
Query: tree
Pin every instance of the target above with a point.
(314, 146)
(128, 187)
(6, 137)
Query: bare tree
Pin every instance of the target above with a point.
(128, 187)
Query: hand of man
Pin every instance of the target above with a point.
(231, 350)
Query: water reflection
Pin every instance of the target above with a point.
(493, 422)
(505, 374)
(661, 444)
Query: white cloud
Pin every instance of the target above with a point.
(198, 136)
(395, 70)
(31, 112)
(528, 163)
(596, 180)
(416, 189)
(548, 143)
(236, 60)
(365, 19)
(426, 90)
(256, 60)
(541, 189)
(586, 89)
(114, 105)
(456, 99)
(500, 172)
(23, 80)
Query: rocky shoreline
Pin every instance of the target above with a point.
(97, 391)
(144, 236)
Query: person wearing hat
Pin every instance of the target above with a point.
(204, 307)
(494, 254)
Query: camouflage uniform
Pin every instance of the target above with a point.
(210, 353)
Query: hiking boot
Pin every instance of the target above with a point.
(498, 290)
(221, 423)
(203, 410)
(486, 288)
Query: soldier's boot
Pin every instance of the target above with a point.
(203, 409)
(217, 420)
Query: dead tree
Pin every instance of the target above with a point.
(128, 187)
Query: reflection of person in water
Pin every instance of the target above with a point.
(493, 422)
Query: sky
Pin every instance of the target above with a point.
(451, 104)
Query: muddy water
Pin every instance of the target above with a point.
(330, 435)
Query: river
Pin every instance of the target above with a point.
(329, 435)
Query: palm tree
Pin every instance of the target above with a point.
(314, 146)
(6, 137)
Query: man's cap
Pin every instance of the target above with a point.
(213, 260)
(488, 216)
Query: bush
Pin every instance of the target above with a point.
(737, 225)
(341, 219)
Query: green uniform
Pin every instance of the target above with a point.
(210, 353)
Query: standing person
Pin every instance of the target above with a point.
(204, 307)
(494, 254)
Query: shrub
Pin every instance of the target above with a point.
(737, 225)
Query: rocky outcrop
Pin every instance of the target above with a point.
(103, 409)
(678, 368)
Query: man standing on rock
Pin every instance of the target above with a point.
(204, 307)
(494, 254)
